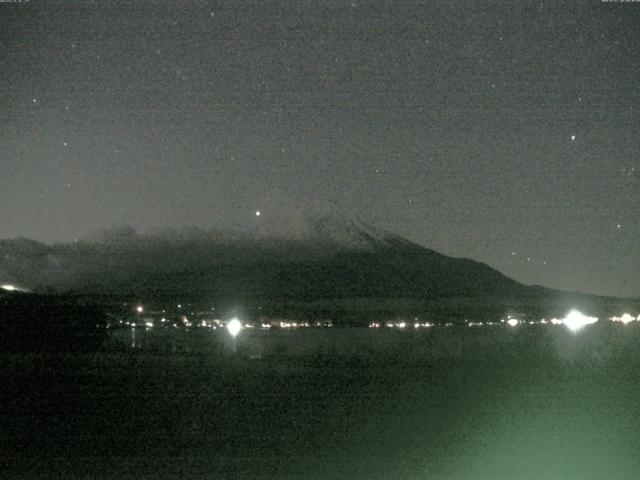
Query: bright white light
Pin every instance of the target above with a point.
(573, 138)
(139, 309)
(513, 322)
(9, 288)
(625, 318)
(257, 213)
(234, 327)
(575, 320)
(402, 325)
(149, 324)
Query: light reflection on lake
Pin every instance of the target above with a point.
(526, 402)
(600, 341)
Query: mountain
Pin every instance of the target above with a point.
(325, 263)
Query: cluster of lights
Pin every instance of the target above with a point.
(213, 324)
(625, 318)
(574, 321)
(294, 324)
(399, 324)
(287, 324)
(422, 325)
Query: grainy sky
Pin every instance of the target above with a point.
(507, 132)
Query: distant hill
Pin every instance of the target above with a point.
(328, 263)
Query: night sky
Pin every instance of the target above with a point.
(504, 132)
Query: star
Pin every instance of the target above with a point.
(257, 213)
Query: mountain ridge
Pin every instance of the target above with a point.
(328, 259)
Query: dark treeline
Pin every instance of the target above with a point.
(49, 323)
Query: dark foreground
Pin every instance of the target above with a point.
(545, 404)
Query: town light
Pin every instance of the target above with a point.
(625, 318)
(12, 288)
(234, 326)
(575, 320)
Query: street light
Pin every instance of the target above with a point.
(576, 320)
(234, 327)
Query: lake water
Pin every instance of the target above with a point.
(597, 342)
(530, 402)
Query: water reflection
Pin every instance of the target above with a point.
(601, 340)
